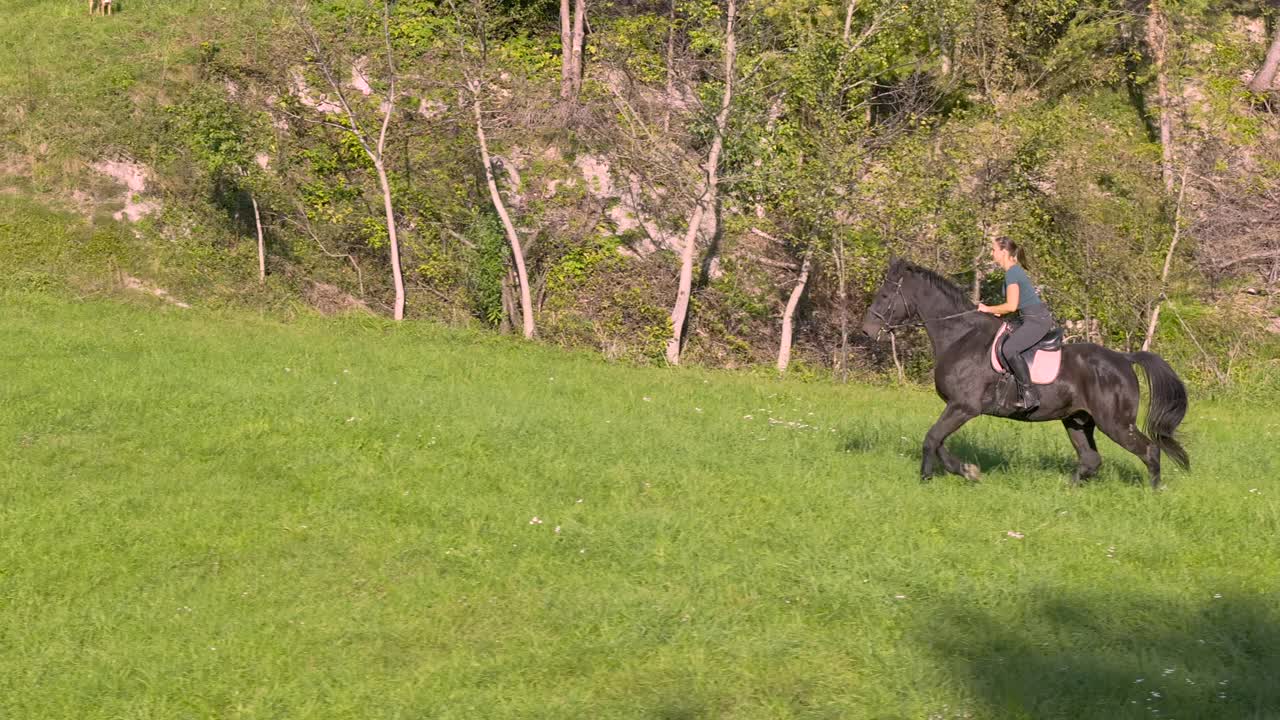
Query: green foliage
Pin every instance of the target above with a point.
(216, 132)
(487, 270)
(636, 42)
(739, 298)
(580, 263)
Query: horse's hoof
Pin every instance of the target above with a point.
(971, 472)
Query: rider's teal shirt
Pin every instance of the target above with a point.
(1027, 294)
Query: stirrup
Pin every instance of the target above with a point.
(1028, 398)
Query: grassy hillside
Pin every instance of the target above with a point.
(214, 515)
(78, 87)
(195, 112)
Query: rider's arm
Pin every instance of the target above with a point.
(1009, 305)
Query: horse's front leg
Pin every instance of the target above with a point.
(952, 418)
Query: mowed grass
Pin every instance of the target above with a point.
(218, 516)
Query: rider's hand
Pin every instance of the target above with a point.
(984, 308)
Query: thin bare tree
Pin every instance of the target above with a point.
(1157, 44)
(474, 71)
(1168, 263)
(671, 66)
(1266, 75)
(707, 197)
(788, 313)
(262, 245)
(373, 146)
(475, 87)
(572, 33)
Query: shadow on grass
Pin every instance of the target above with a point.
(1056, 460)
(1060, 463)
(1108, 658)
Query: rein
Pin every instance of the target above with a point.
(922, 323)
(897, 295)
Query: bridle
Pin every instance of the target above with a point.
(885, 325)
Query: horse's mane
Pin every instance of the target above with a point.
(949, 290)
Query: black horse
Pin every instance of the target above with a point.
(1095, 387)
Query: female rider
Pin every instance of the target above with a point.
(1020, 296)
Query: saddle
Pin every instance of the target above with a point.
(1044, 359)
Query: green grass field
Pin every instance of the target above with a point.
(210, 515)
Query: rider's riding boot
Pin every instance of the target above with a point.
(1029, 398)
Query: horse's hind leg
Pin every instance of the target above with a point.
(952, 418)
(1080, 430)
(1128, 436)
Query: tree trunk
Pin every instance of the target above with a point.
(377, 152)
(1157, 38)
(707, 198)
(510, 311)
(848, 19)
(784, 349)
(1168, 263)
(1266, 75)
(579, 22)
(978, 276)
(566, 51)
(842, 295)
(526, 303)
(397, 275)
(262, 244)
(671, 67)
(893, 348)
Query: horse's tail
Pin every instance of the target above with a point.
(1168, 405)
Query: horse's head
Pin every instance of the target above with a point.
(889, 306)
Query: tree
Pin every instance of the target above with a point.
(708, 199)
(1168, 263)
(788, 314)
(473, 48)
(1157, 45)
(1266, 75)
(572, 32)
(374, 147)
(475, 87)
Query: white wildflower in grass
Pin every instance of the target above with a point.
(900, 597)
(1015, 534)
(557, 530)
(535, 520)
(1217, 596)
(648, 399)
